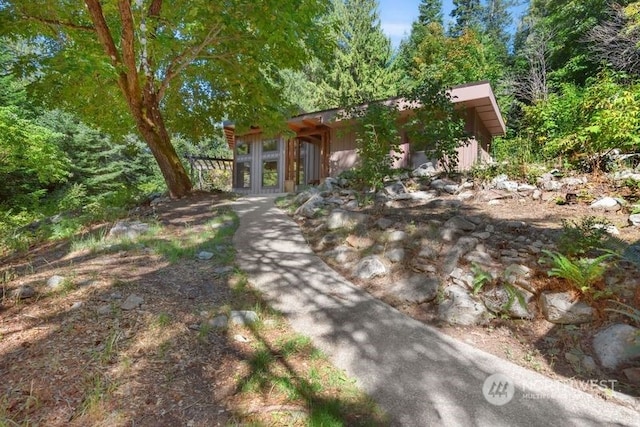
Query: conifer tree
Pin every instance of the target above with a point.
(360, 70)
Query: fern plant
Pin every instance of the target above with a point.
(626, 310)
(582, 273)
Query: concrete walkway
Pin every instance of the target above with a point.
(420, 376)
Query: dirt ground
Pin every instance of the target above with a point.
(74, 356)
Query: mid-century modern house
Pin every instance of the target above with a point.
(322, 144)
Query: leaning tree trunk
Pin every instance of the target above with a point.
(142, 100)
(151, 126)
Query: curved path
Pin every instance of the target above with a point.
(420, 376)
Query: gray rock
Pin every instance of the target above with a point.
(395, 188)
(499, 301)
(55, 282)
(132, 301)
(352, 205)
(460, 308)
(425, 169)
(507, 185)
(130, 230)
(462, 278)
(305, 195)
(552, 185)
(395, 255)
(466, 195)
(396, 236)
(416, 289)
(310, 208)
(243, 317)
(343, 254)
(606, 204)
(421, 195)
(240, 338)
(536, 195)
(220, 322)
(384, 223)
(204, 255)
(223, 270)
(561, 309)
(498, 180)
(338, 219)
(634, 220)
(614, 346)
(445, 185)
(463, 246)
(460, 223)
(370, 267)
(526, 188)
(104, 310)
(573, 181)
(428, 252)
(482, 235)
(23, 292)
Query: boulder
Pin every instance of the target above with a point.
(425, 169)
(416, 289)
(445, 185)
(395, 255)
(396, 236)
(23, 292)
(243, 317)
(634, 220)
(338, 219)
(305, 195)
(616, 345)
(310, 208)
(130, 230)
(395, 188)
(606, 204)
(359, 242)
(370, 267)
(460, 223)
(55, 282)
(510, 186)
(560, 308)
(384, 223)
(460, 308)
(342, 254)
(132, 301)
(500, 301)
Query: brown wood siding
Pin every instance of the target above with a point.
(343, 153)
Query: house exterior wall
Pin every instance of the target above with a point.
(343, 154)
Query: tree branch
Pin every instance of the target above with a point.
(106, 40)
(60, 23)
(127, 39)
(183, 60)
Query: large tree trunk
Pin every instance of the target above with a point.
(173, 171)
(151, 126)
(142, 100)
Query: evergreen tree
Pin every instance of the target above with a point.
(467, 15)
(360, 70)
(429, 11)
(497, 20)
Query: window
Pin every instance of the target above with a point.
(269, 145)
(243, 175)
(243, 148)
(270, 173)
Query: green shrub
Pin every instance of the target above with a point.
(582, 273)
(584, 236)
